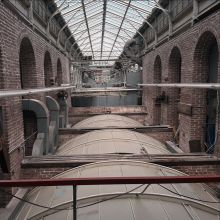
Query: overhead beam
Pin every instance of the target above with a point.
(120, 26)
(103, 24)
(87, 25)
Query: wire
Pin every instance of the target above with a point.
(101, 201)
(31, 203)
(61, 209)
(188, 197)
(20, 145)
(113, 197)
(216, 123)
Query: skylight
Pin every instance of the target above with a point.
(102, 27)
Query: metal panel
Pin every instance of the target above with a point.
(113, 141)
(154, 203)
(103, 121)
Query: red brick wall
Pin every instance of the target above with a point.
(193, 47)
(14, 35)
(78, 114)
(42, 173)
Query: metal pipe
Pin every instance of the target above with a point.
(74, 202)
(110, 181)
(105, 90)
(11, 93)
(183, 85)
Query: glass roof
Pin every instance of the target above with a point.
(102, 27)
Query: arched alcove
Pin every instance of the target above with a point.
(157, 79)
(27, 64)
(59, 73)
(206, 58)
(48, 71)
(174, 73)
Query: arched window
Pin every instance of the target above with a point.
(174, 71)
(206, 58)
(27, 65)
(157, 79)
(48, 71)
(59, 73)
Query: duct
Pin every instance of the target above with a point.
(42, 116)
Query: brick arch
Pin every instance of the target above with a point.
(59, 72)
(157, 91)
(201, 53)
(48, 69)
(27, 64)
(201, 62)
(174, 76)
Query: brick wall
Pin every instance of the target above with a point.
(22, 50)
(78, 114)
(193, 46)
(42, 173)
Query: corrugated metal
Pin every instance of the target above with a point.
(154, 203)
(113, 141)
(103, 121)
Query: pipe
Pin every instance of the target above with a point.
(109, 181)
(21, 92)
(106, 90)
(183, 85)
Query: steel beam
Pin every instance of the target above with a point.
(87, 25)
(120, 26)
(103, 25)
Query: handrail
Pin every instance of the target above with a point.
(109, 181)
(74, 182)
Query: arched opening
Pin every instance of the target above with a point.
(48, 71)
(174, 71)
(157, 118)
(30, 131)
(59, 73)
(206, 71)
(27, 65)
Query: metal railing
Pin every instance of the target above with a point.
(106, 181)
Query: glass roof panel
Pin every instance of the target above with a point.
(101, 28)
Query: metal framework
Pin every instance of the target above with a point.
(103, 27)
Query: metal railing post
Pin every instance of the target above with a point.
(74, 202)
